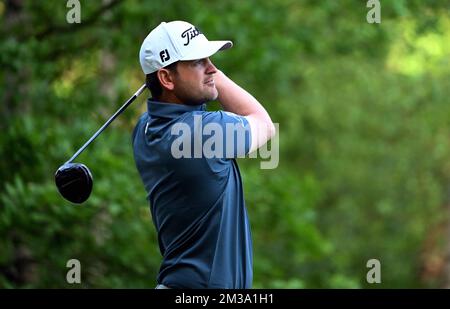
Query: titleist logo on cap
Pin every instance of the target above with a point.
(189, 34)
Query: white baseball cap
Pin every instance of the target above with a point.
(175, 41)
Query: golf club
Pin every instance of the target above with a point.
(74, 180)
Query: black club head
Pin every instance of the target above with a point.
(74, 182)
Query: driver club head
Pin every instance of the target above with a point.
(74, 182)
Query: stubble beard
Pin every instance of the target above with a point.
(204, 97)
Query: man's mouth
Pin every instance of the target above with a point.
(210, 82)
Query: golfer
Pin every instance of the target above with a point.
(186, 155)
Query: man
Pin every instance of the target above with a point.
(186, 158)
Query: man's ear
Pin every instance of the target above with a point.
(166, 79)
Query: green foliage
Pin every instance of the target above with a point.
(364, 139)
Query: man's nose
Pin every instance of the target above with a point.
(210, 68)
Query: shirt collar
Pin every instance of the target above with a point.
(171, 110)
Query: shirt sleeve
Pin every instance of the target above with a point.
(225, 135)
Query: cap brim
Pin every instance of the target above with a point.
(208, 50)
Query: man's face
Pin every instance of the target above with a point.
(194, 81)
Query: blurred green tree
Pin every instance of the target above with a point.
(364, 139)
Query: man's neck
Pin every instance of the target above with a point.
(169, 98)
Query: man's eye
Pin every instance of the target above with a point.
(198, 62)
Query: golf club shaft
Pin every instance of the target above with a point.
(119, 111)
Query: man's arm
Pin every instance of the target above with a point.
(236, 100)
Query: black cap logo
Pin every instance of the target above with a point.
(189, 34)
(164, 54)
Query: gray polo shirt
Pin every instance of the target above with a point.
(185, 157)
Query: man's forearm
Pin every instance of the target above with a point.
(237, 100)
